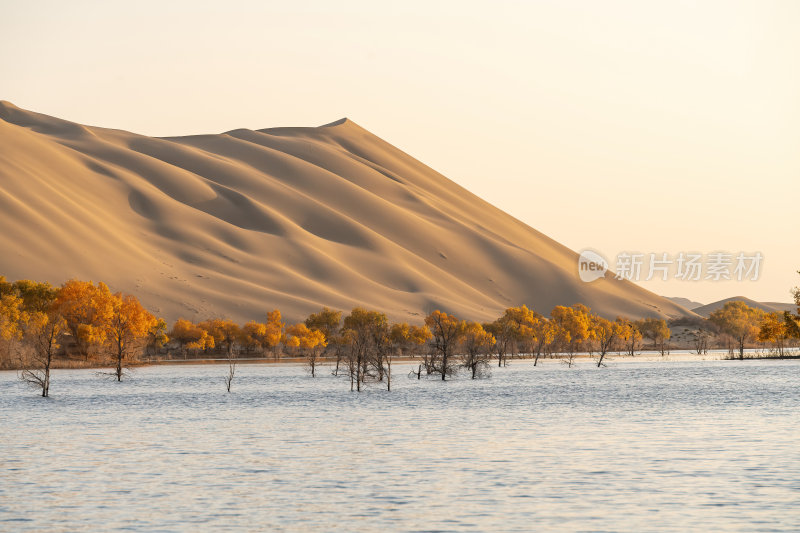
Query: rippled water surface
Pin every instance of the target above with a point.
(637, 446)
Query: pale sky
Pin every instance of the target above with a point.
(618, 126)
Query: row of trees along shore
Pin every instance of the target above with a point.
(84, 323)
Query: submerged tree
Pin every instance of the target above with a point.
(476, 344)
(774, 329)
(503, 334)
(361, 329)
(42, 332)
(738, 320)
(657, 330)
(606, 333)
(404, 338)
(573, 327)
(700, 339)
(225, 334)
(127, 329)
(512, 331)
(310, 343)
(329, 322)
(544, 333)
(400, 337)
(447, 331)
(628, 335)
(231, 371)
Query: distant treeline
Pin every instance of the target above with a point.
(85, 320)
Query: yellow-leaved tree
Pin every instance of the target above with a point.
(157, 336)
(365, 335)
(573, 327)
(12, 321)
(774, 328)
(309, 342)
(36, 296)
(404, 339)
(127, 330)
(544, 333)
(190, 336)
(87, 310)
(738, 320)
(225, 332)
(606, 333)
(657, 330)
(264, 336)
(447, 331)
(629, 335)
(476, 344)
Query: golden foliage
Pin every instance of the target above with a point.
(191, 336)
(475, 339)
(738, 320)
(327, 321)
(87, 310)
(773, 328)
(223, 332)
(129, 324)
(300, 336)
(12, 317)
(573, 325)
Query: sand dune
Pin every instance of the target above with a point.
(295, 218)
(684, 302)
(769, 307)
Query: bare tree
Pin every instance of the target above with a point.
(700, 340)
(570, 359)
(382, 350)
(337, 344)
(312, 359)
(42, 334)
(429, 359)
(231, 368)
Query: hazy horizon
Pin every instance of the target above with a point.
(616, 127)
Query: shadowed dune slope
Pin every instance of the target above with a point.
(295, 218)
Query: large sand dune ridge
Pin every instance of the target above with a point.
(242, 222)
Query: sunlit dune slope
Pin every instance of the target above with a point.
(291, 218)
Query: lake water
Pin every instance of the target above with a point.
(637, 446)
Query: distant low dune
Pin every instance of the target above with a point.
(769, 307)
(684, 302)
(291, 218)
